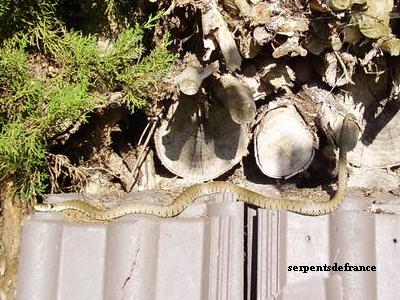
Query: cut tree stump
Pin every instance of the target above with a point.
(200, 142)
(283, 144)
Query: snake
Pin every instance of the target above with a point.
(347, 139)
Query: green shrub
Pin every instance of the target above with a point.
(33, 109)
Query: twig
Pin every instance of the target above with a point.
(142, 155)
(143, 133)
(343, 67)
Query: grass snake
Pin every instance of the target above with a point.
(347, 139)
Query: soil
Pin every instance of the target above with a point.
(13, 213)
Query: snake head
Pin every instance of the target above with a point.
(44, 207)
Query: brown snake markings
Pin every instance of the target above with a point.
(347, 139)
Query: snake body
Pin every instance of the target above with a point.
(348, 136)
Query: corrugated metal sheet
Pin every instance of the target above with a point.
(198, 255)
(350, 235)
(218, 250)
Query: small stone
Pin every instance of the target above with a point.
(262, 36)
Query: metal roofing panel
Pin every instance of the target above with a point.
(387, 234)
(350, 235)
(196, 256)
(202, 254)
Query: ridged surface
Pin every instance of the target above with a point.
(349, 235)
(195, 256)
(220, 250)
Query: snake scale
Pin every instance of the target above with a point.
(347, 139)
